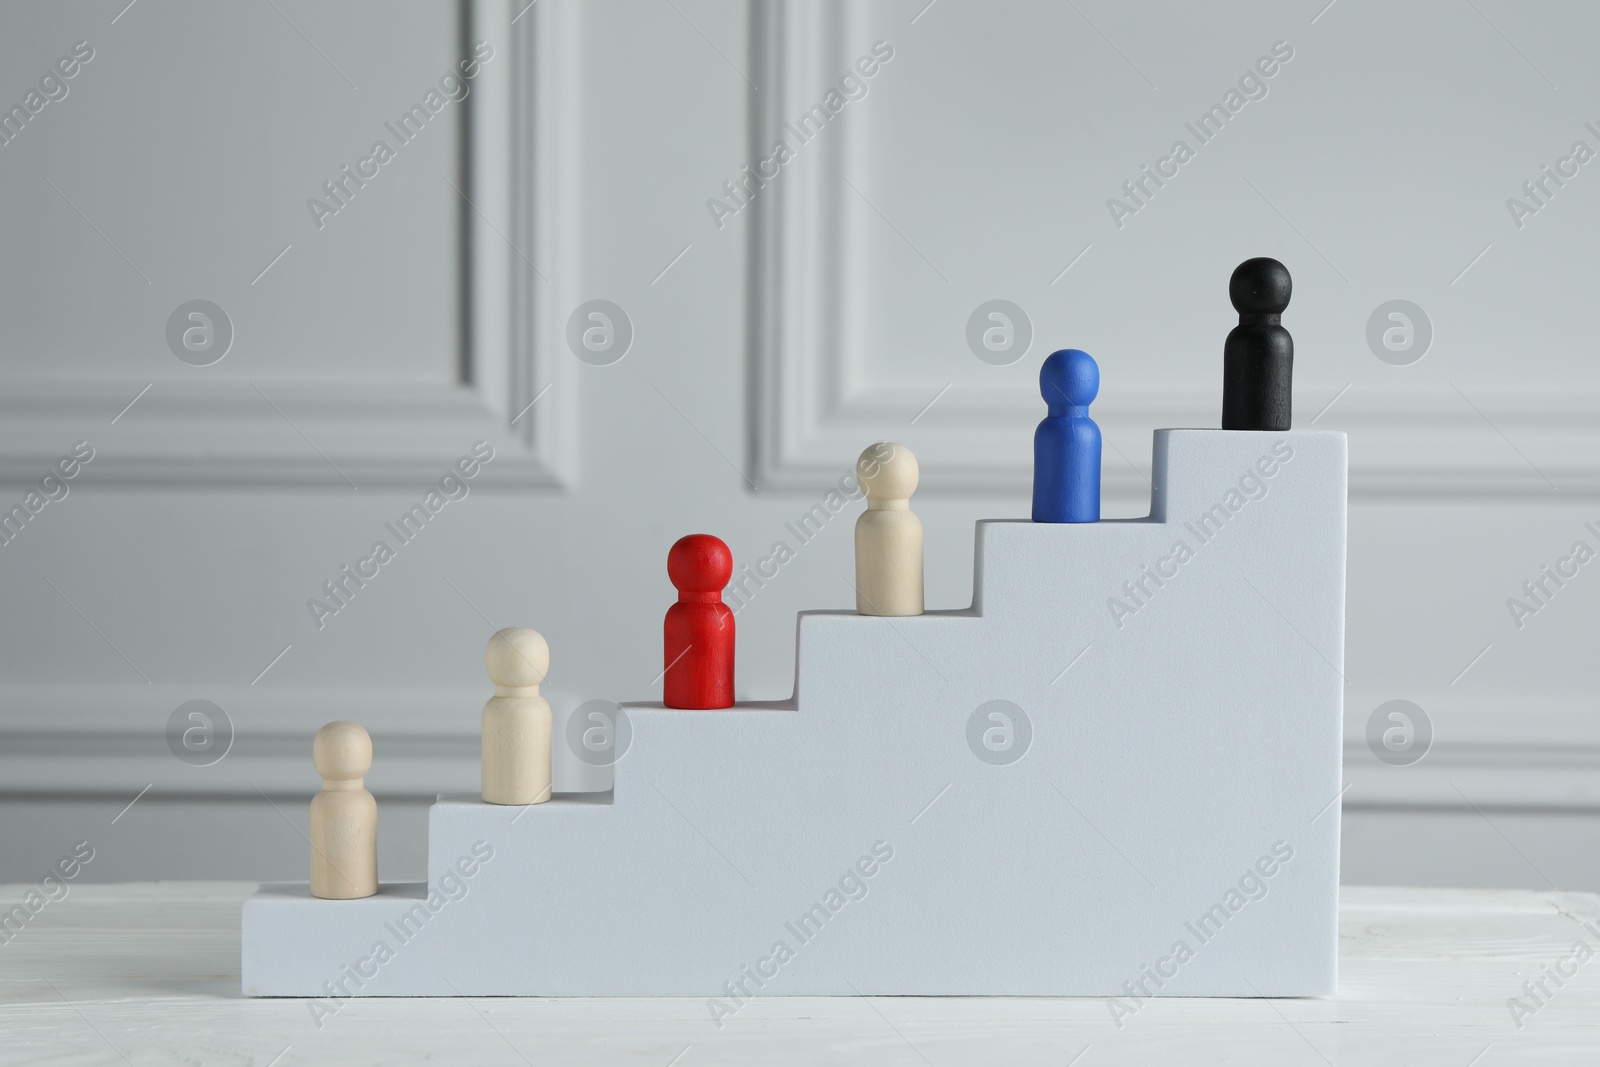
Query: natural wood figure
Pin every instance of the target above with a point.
(516, 720)
(888, 533)
(344, 817)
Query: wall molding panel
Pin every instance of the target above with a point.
(1545, 756)
(814, 404)
(519, 246)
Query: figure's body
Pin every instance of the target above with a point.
(697, 652)
(1066, 446)
(344, 816)
(888, 533)
(1258, 357)
(516, 720)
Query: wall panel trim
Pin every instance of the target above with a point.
(520, 242)
(807, 422)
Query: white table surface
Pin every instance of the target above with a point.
(149, 974)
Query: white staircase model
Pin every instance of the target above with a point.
(1180, 786)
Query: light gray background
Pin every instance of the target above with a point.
(826, 315)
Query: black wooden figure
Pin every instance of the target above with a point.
(1258, 358)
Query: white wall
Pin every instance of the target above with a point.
(825, 315)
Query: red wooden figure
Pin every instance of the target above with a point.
(698, 654)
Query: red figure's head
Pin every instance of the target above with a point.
(700, 563)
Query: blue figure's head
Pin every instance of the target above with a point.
(1069, 379)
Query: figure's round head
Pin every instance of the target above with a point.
(1260, 286)
(887, 471)
(342, 752)
(1069, 376)
(699, 563)
(516, 656)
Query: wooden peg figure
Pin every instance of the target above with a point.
(888, 533)
(344, 817)
(1258, 356)
(1066, 445)
(697, 652)
(516, 720)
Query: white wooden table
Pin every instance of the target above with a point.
(149, 974)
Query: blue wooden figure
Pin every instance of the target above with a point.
(1066, 447)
